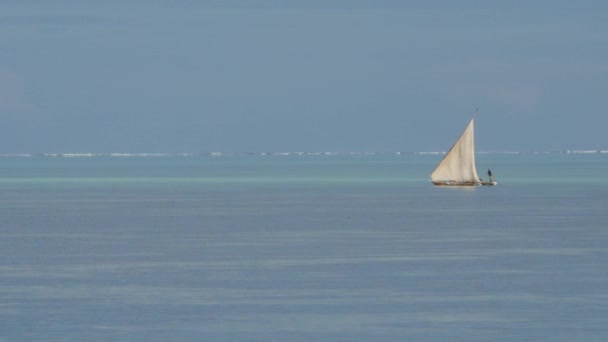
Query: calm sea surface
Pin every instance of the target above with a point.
(302, 248)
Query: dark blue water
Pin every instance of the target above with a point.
(302, 248)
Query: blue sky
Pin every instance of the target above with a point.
(238, 76)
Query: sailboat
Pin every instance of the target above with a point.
(457, 168)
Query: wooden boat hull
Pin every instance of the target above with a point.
(489, 183)
(448, 183)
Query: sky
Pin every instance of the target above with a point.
(134, 76)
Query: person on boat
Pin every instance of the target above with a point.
(490, 174)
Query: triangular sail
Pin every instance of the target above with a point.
(458, 165)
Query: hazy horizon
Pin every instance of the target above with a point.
(278, 153)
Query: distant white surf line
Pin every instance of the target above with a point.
(279, 154)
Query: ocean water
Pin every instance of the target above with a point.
(302, 248)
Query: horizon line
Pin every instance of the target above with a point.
(288, 153)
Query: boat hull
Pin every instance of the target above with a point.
(489, 183)
(448, 183)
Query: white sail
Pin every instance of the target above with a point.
(458, 165)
